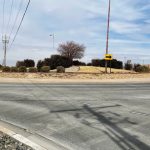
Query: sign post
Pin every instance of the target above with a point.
(109, 57)
(110, 66)
(107, 38)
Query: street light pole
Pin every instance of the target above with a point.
(53, 36)
(107, 38)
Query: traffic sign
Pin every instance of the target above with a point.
(108, 57)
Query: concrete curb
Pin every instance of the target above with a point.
(21, 139)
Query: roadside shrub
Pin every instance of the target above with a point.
(29, 63)
(89, 64)
(45, 69)
(57, 60)
(60, 69)
(40, 64)
(20, 64)
(47, 62)
(1, 67)
(113, 64)
(6, 69)
(32, 69)
(14, 69)
(96, 62)
(141, 68)
(22, 69)
(54, 61)
(145, 69)
(128, 66)
(136, 67)
(78, 63)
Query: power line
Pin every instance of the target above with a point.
(20, 23)
(16, 18)
(9, 19)
(3, 17)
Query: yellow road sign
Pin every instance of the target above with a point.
(108, 57)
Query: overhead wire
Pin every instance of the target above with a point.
(16, 18)
(20, 23)
(9, 19)
(3, 17)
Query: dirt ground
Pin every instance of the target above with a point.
(73, 76)
(101, 70)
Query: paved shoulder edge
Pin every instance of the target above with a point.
(21, 139)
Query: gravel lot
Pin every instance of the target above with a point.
(8, 143)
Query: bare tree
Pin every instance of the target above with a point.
(71, 50)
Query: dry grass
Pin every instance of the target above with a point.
(91, 69)
(85, 72)
(72, 76)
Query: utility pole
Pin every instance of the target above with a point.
(107, 38)
(5, 42)
(143, 62)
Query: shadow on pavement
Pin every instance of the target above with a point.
(122, 138)
(80, 109)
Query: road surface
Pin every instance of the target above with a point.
(80, 116)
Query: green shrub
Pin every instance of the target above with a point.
(14, 69)
(141, 68)
(89, 64)
(57, 60)
(128, 66)
(146, 69)
(78, 63)
(6, 69)
(54, 61)
(40, 64)
(32, 69)
(113, 64)
(20, 64)
(1, 67)
(60, 69)
(45, 69)
(29, 63)
(22, 69)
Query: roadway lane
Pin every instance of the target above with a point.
(81, 116)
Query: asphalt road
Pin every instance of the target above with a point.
(81, 116)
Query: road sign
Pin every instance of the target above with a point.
(108, 57)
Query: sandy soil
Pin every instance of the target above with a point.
(72, 77)
(101, 70)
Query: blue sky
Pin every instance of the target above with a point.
(83, 21)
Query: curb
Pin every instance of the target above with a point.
(21, 139)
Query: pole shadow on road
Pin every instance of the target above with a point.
(122, 138)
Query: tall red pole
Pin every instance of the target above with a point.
(107, 38)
